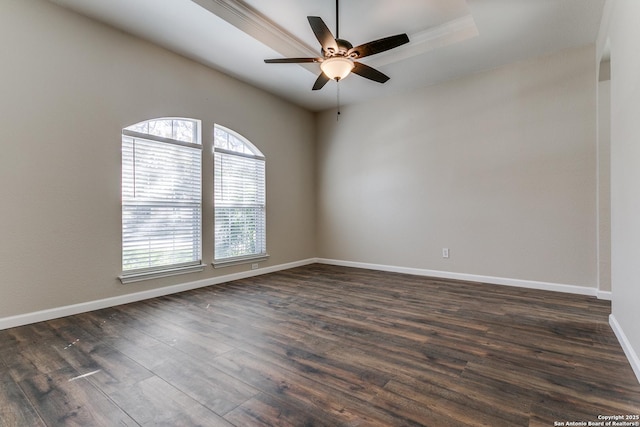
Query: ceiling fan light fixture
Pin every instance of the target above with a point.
(337, 67)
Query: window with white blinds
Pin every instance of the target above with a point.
(240, 201)
(161, 199)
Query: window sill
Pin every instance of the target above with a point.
(126, 278)
(238, 261)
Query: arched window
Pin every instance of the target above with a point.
(161, 198)
(240, 201)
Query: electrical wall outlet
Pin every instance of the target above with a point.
(445, 252)
(254, 266)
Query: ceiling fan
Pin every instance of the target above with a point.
(339, 56)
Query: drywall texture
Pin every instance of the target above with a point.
(624, 34)
(499, 167)
(68, 86)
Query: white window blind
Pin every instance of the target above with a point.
(239, 186)
(161, 198)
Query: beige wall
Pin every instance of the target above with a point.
(67, 88)
(623, 32)
(499, 167)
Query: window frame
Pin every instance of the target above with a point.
(195, 265)
(257, 155)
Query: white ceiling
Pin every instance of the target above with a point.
(449, 38)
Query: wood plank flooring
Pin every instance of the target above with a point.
(323, 346)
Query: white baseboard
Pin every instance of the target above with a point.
(605, 295)
(632, 356)
(69, 310)
(530, 284)
(39, 316)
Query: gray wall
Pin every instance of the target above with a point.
(622, 31)
(499, 167)
(67, 88)
(604, 185)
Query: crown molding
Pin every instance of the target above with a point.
(256, 25)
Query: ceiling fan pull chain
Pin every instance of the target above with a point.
(338, 99)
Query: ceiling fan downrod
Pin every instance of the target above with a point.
(337, 19)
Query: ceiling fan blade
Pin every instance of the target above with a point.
(320, 82)
(369, 73)
(378, 46)
(323, 34)
(291, 60)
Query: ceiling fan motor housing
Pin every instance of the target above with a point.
(343, 50)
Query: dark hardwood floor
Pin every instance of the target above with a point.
(323, 346)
